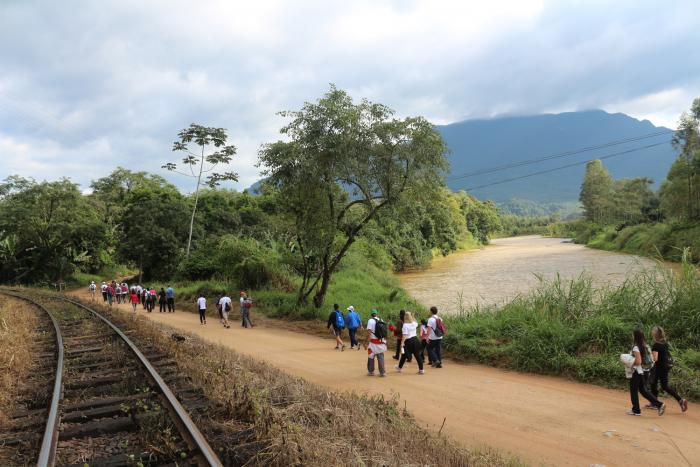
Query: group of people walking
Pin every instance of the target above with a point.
(224, 306)
(646, 367)
(411, 341)
(148, 297)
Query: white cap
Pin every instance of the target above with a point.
(351, 308)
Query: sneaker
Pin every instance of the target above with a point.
(382, 375)
(684, 405)
(397, 368)
(370, 373)
(633, 413)
(438, 365)
(342, 349)
(358, 347)
(662, 409)
(421, 372)
(394, 357)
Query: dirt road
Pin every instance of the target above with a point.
(542, 420)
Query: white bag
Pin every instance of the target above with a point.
(627, 360)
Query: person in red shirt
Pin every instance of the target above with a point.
(134, 299)
(110, 294)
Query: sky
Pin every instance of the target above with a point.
(88, 86)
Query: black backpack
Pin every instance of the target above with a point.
(669, 358)
(380, 329)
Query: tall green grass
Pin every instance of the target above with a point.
(573, 329)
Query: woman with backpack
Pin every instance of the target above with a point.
(424, 339)
(642, 357)
(412, 345)
(337, 320)
(663, 362)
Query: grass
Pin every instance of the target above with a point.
(17, 323)
(263, 416)
(570, 328)
(82, 279)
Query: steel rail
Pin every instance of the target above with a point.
(47, 453)
(196, 438)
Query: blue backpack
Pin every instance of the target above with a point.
(353, 320)
(339, 320)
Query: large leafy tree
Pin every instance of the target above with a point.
(47, 230)
(343, 163)
(210, 152)
(153, 229)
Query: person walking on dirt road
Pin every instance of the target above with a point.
(411, 343)
(662, 366)
(354, 321)
(170, 297)
(202, 307)
(397, 328)
(133, 299)
(93, 290)
(435, 338)
(162, 300)
(225, 303)
(246, 305)
(641, 356)
(337, 321)
(103, 288)
(110, 294)
(375, 343)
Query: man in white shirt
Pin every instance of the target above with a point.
(375, 345)
(103, 288)
(434, 339)
(202, 307)
(225, 303)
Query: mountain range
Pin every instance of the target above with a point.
(479, 146)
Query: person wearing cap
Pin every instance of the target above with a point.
(354, 322)
(103, 288)
(376, 346)
(93, 289)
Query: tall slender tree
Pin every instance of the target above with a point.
(596, 191)
(200, 162)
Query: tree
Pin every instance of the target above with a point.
(342, 164)
(153, 229)
(204, 138)
(47, 230)
(680, 193)
(596, 192)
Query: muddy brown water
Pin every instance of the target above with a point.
(511, 266)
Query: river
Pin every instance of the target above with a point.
(511, 266)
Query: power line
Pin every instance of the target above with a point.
(566, 166)
(557, 156)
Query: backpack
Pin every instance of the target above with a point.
(353, 320)
(227, 306)
(339, 320)
(440, 329)
(247, 303)
(669, 358)
(380, 329)
(648, 360)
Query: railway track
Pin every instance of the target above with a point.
(111, 403)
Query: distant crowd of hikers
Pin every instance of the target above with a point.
(411, 340)
(121, 293)
(646, 367)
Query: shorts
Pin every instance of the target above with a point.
(337, 332)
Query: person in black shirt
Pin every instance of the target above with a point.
(334, 321)
(659, 372)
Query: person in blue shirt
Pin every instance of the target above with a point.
(354, 322)
(170, 296)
